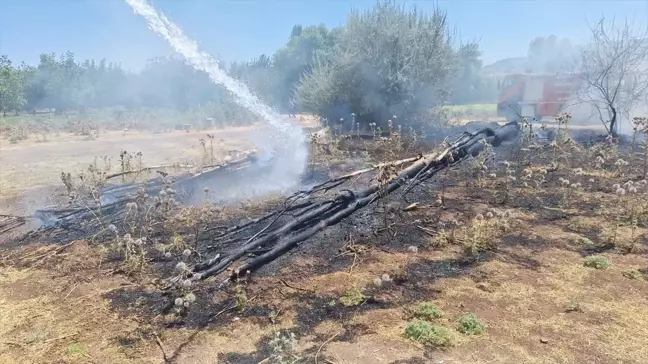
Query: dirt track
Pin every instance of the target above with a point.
(31, 168)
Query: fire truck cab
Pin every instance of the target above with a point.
(534, 96)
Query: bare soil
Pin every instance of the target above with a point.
(31, 168)
(540, 303)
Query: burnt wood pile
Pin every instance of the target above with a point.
(311, 211)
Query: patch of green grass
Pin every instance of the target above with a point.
(470, 324)
(353, 297)
(582, 240)
(597, 262)
(634, 274)
(77, 349)
(425, 333)
(483, 110)
(428, 311)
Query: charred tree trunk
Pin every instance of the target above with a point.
(613, 122)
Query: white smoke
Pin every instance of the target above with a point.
(284, 148)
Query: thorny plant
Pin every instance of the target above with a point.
(641, 126)
(208, 151)
(446, 234)
(569, 188)
(327, 148)
(632, 214)
(240, 295)
(527, 145)
(562, 134)
(193, 220)
(143, 217)
(597, 165)
(393, 145)
(66, 178)
(396, 143)
(133, 253)
(283, 348)
(533, 180)
(481, 233)
(562, 145)
(478, 168)
(182, 287)
(92, 178)
(506, 184)
(330, 145)
(126, 162)
(97, 176)
(146, 214)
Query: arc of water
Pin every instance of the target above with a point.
(289, 139)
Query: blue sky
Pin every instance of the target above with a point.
(242, 29)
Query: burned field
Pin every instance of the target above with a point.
(494, 246)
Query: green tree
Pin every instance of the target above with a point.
(12, 95)
(387, 61)
(383, 62)
(297, 57)
(43, 83)
(69, 94)
(260, 75)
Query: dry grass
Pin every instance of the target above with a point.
(525, 278)
(49, 314)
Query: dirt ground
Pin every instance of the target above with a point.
(540, 303)
(31, 165)
(30, 176)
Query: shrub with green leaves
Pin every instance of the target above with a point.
(428, 311)
(428, 334)
(470, 324)
(387, 60)
(596, 262)
(353, 297)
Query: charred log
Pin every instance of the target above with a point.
(315, 215)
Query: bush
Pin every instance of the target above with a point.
(428, 311)
(353, 297)
(596, 262)
(471, 325)
(634, 274)
(387, 61)
(428, 334)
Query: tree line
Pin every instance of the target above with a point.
(384, 61)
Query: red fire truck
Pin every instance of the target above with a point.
(535, 96)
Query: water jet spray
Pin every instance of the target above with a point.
(283, 151)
